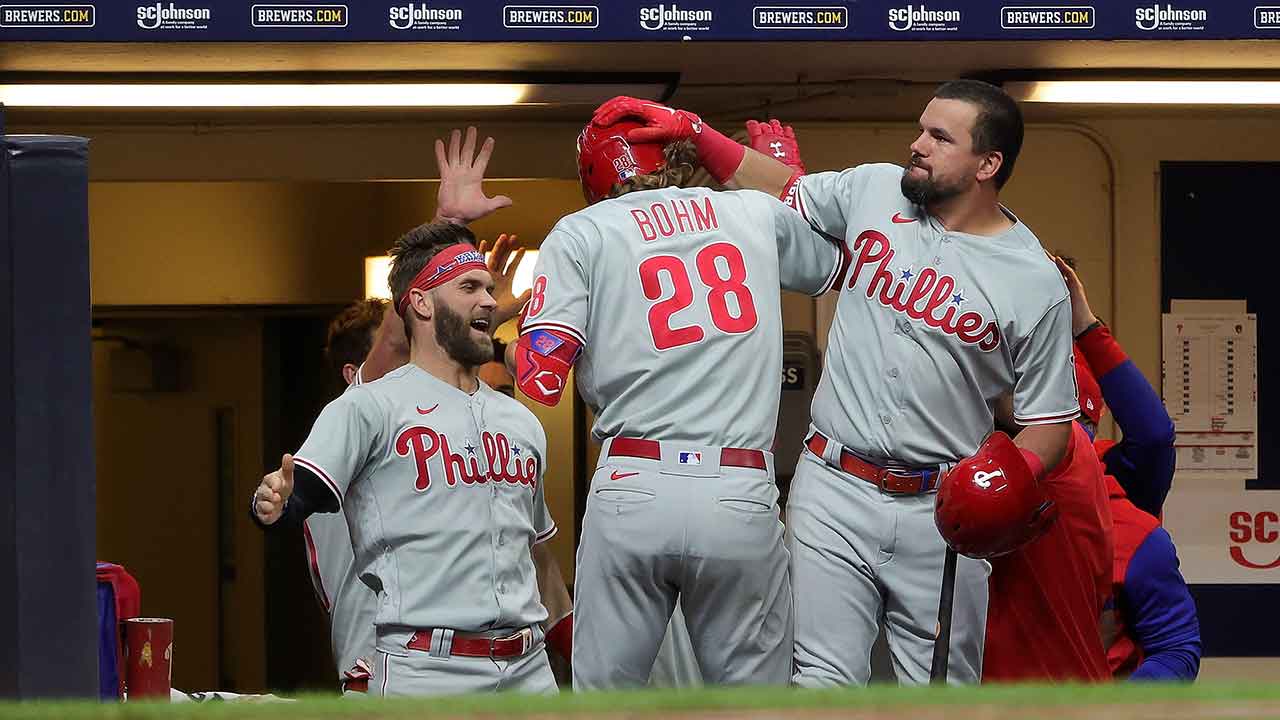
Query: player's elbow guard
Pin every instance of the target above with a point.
(543, 361)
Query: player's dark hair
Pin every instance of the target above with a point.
(350, 335)
(1068, 260)
(414, 250)
(681, 162)
(998, 126)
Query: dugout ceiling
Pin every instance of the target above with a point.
(814, 80)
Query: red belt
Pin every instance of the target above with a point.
(511, 646)
(652, 450)
(906, 482)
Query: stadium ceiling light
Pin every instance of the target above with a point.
(1147, 92)
(248, 94)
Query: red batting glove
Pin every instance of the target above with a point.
(776, 140)
(717, 153)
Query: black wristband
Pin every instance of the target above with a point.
(1092, 326)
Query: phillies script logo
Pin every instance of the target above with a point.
(502, 462)
(926, 295)
(1254, 527)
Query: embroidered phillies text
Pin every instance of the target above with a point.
(502, 463)
(920, 296)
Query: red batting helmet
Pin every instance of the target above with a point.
(990, 504)
(606, 158)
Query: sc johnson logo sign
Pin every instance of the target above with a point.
(923, 19)
(172, 17)
(420, 16)
(1255, 534)
(47, 16)
(1169, 18)
(674, 17)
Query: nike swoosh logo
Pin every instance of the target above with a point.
(669, 110)
(428, 412)
(897, 218)
(619, 475)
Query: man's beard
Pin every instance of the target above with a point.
(926, 191)
(453, 333)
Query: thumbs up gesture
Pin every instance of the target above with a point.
(274, 491)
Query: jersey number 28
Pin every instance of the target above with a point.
(709, 272)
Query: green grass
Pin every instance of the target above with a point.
(662, 702)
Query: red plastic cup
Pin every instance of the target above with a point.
(148, 658)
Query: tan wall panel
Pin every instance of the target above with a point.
(157, 491)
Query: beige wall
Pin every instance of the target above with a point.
(158, 489)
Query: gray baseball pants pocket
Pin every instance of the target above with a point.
(713, 540)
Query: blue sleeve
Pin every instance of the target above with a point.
(1142, 462)
(1159, 610)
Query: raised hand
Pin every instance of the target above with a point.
(274, 491)
(777, 141)
(503, 257)
(461, 198)
(1081, 314)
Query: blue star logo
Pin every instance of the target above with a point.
(471, 449)
(515, 450)
(907, 274)
(958, 298)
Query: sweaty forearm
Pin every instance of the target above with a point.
(760, 172)
(1046, 442)
(390, 347)
(555, 596)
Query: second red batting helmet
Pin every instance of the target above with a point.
(990, 504)
(606, 158)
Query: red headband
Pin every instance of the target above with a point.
(445, 266)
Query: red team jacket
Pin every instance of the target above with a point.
(1131, 527)
(1047, 599)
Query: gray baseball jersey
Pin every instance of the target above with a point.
(443, 494)
(674, 294)
(349, 602)
(933, 325)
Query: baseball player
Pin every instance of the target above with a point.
(1143, 460)
(1151, 630)
(950, 303)
(1048, 596)
(349, 603)
(441, 481)
(665, 299)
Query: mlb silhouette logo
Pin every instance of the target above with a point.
(690, 458)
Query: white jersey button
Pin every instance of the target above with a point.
(887, 420)
(893, 372)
